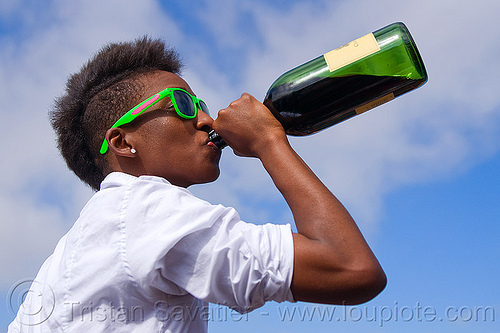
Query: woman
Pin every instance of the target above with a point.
(145, 254)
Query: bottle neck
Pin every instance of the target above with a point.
(216, 139)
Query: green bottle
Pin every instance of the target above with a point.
(347, 81)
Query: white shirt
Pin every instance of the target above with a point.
(147, 256)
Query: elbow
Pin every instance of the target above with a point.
(348, 286)
(366, 284)
(325, 275)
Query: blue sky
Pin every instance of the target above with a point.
(420, 174)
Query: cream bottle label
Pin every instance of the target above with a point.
(351, 52)
(375, 103)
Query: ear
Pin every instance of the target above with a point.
(119, 142)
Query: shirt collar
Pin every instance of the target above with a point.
(117, 179)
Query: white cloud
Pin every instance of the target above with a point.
(440, 129)
(25, 226)
(40, 198)
(435, 131)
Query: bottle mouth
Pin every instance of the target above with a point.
(216, 139)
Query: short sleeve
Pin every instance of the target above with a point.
(236, 264)
(179, 244)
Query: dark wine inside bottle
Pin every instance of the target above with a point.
(322, 102)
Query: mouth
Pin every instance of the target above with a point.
(217, 139)
(213, 146)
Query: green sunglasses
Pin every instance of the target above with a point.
(185, 104)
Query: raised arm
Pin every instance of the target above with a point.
(333, 263)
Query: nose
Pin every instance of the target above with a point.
(204, 121)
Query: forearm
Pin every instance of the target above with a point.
(317, 212)
(333, 264)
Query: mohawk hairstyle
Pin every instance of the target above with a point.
(100, 93)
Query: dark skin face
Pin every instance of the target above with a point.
(166, 145)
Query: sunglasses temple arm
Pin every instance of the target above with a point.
(216, 139)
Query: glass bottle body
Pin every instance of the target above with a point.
(319, 94)
(345, 82)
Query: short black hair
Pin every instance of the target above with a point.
(100, 93)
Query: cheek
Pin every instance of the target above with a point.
(169, 142)
(159, 133)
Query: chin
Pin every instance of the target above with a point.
(206, 178)
(213, 177)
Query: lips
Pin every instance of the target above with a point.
(213, 146)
